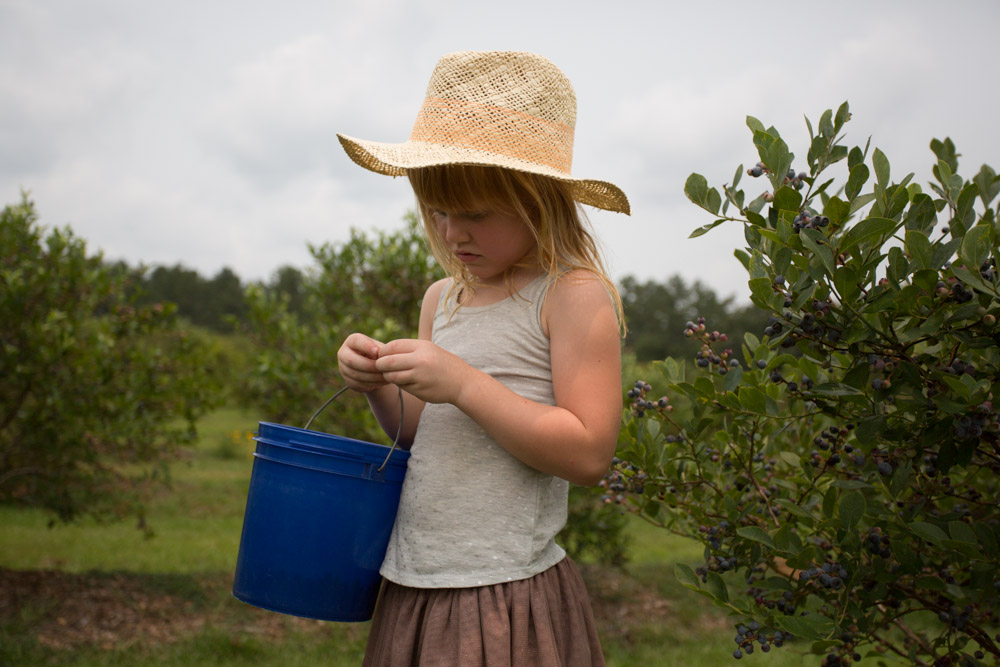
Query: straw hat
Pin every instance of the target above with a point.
(497, 108)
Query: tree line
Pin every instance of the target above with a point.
(656, 311)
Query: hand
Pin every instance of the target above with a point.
(356, 360)
(423, 369)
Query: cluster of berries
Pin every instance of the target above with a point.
(988, 269)
(808, 325)
(882, 368)
(785, 603)
(707, 356)
(953, 289)
(955, 617)
(777, 378)
(834, 440)
(623, 477)
(791, 178)
(716, 564)
(640, 404)
(844, 654)
(829, 575)
(878, 543)
(752, 632)
(808, 221)
(981, 423)
(715, 533)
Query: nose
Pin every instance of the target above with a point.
(452, 229)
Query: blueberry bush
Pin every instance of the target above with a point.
(97, 394)
(842, 465)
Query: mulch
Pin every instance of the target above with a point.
(64, 610)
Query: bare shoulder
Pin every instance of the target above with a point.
(429, 306)
(433, 293)
(576, 296)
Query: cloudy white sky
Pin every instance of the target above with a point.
(202, 132)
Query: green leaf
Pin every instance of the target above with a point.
(704, 229)
(760, 289)
(717, 587)
(988, 183)
(778, 159)
(928, 532)
(685, 575)
(867, 230)
(843, 115)
(837, 210)
(869, 429)
(756, 534)
(816, 241)
(976, 244)
(787, 199)
(856, 180)
(836, 389)
(809, 626)
(919, 248)
(987, 540)
(830, 502)
(881, 164)
(696, 189)
(852, 508)
(845, 279)
(754, 124)
(922, 213)
(962, 532)
(753, 399)
(733, 377)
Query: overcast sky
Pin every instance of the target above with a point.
(203, 132)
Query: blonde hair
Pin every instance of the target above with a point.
(557, 222)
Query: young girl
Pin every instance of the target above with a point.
(512, 388)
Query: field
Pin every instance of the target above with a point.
(92, 594)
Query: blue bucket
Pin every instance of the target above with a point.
(318, 518)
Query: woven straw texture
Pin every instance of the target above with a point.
(498, 108)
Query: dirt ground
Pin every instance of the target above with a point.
(65, 610)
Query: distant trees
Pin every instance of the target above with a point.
(211, 303)
(658, 312)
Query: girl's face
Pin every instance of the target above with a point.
(487, 242)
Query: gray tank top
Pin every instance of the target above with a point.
(471, 514)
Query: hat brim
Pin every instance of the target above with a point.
(397, 159)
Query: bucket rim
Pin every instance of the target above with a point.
(396, 455)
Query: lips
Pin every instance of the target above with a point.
(467, 257)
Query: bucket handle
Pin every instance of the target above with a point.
(398, 431)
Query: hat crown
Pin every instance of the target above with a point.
(507, 109)
(518, 81)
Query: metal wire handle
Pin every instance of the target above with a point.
(399, 430)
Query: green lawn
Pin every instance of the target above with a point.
(646, 617)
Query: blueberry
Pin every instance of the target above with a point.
(762, 364)
(885, 468)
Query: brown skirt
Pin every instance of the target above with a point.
(544, 621)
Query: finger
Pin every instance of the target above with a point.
(390, 363)
(363, 345)
(398, 346)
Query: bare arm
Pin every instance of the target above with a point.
(574, 439)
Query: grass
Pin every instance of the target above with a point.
(649, 618)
